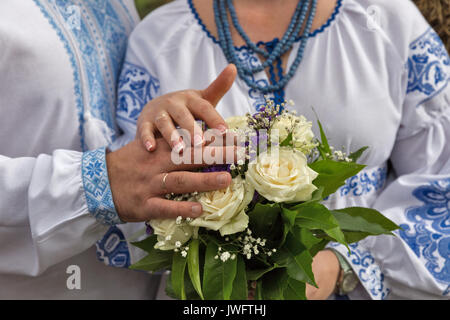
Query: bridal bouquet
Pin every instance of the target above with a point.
(266, 227)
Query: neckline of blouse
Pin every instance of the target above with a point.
(313, 34)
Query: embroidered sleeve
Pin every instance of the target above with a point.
(428, 68)
(414, 263)
(427, 96)
(97, 188)
(136, 87)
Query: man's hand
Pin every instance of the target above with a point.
(139, 180)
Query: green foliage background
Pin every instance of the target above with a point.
(145, 6)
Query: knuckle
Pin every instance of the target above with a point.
(204, 108)
(170, 100)
(189, 94)
(208, 180)
(181, 114)
(161, 119)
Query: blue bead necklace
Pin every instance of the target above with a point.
(221, 8)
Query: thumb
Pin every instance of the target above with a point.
(219, 87)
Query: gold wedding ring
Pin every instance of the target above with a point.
(164, 182)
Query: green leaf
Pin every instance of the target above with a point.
(323, 139)
(273, 285)
(194, 266)
(147, 244)
(295, 290)
(333, 174)
(258, 290)
(319, 247)
(156, 259)
(256, 274)
(364, 220)
(306, 237)
(289, 217)
(191, 294)
(287, 142)
(265, 221)
(317, 195)
(240, 289)
(355, 236)
(316, 216)
(357, 154)
(297, 260)
(289, 221)
(218, 276)
(177, 278)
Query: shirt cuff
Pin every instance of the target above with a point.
(97, 188)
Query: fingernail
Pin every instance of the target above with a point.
(222, 179)
(178, 147)
(222, 129)
(197, 210)
(148, 145)
(198, 140)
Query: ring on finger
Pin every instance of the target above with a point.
(164, 187)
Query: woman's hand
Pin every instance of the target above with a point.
(182, 108)
(327, 272)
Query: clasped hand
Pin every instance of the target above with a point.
(142, 172)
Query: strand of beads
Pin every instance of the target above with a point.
(288, 40)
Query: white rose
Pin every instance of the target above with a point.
(237, 122)
(302, 135)
(286, 178)
(283, 124)
(301, 128)
(169, 233)
(224, 210)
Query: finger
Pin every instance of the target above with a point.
(159, 208)
(184, 118)
(167, 129)
(145, 133)
(180, 182)
(204, 110)
(219, 87)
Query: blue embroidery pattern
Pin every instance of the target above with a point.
(136, 87)
(96, 187)
(428, 66)
(112, 250)
(428, 233)
(76, 74)
(98, 38)
(250, 60)
(367, 270)
(364, 182)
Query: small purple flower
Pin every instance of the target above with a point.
(148, 229)
(217, 168)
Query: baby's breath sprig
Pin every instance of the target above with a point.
(181, 197)
(183, 250)
(246, 245)
(335, 155)
(266, 115)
